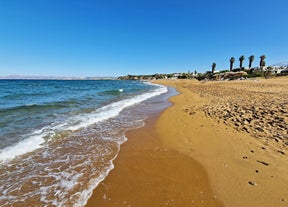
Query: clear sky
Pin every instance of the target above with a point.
(119, 37)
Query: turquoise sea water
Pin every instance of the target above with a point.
(58, 138)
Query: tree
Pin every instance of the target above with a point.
(262, 61)
(241, 59)
(232, 60)
(251, 59)
(213, 67)
(268, 72)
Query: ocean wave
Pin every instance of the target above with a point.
(34, 106)
(115, 92)
(38, 138)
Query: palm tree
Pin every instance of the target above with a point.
(241, 59)
(213, 67)
(262, 61)
(232, 60)
(251, 59)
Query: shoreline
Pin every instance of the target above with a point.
(148, 174)
(137, 178)
(228, 163)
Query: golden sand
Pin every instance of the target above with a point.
(244, 169)
(195, 155)
(148, 174)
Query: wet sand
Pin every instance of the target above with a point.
(193, 155)
(148, 174)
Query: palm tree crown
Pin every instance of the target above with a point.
(251, 59)
(241, 59)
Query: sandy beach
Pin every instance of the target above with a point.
(148, 174)
(220, 144)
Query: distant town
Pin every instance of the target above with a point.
(232, 73)
(265, 72)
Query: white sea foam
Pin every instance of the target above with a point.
(36, 140)
(87, 193)
(112, 109)
(27, 145)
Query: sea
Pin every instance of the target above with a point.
(58, 138)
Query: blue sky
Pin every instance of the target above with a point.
(119, 37)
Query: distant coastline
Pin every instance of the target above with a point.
(20, 77)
